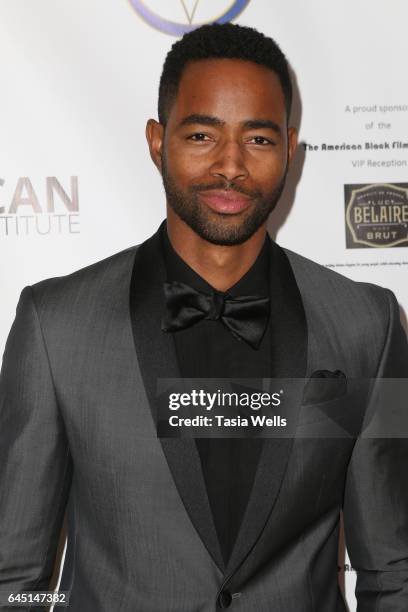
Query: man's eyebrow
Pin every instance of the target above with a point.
(250, 124)
(259, 124)
(202, 120)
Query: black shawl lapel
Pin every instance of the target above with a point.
(157, 359)
(289, 360)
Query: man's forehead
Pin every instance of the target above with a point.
(220, 87)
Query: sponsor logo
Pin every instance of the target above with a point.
(176, 17)
(376, 215)
(39, 209)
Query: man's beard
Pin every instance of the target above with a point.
(198, 217)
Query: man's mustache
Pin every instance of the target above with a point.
(226, 186)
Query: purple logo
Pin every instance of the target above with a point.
(190, 10)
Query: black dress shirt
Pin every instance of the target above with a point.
(209, 350)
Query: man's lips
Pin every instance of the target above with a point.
(227, 202)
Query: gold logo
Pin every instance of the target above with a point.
(376, 215)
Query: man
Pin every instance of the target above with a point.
(162, 524)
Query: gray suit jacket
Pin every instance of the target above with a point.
(76, 393)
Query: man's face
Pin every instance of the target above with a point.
(225, 149)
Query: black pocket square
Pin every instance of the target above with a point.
(324, 385)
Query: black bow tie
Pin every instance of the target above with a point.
(245, 316)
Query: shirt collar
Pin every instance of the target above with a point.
(254, 282)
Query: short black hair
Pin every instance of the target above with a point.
(222, 41)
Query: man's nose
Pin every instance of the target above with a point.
(230, 163)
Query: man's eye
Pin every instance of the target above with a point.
(198, 137)
(261, 140)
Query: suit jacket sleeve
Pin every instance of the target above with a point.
(376, 498)
(35, 462)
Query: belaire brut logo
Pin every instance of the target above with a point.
(376, 215)
(176, 17)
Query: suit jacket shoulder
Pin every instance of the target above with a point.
(332, 289)
(355, 316)
(84, 315)
(101, 280)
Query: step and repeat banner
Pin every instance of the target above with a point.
(79, 79)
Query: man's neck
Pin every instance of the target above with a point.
(220, 266)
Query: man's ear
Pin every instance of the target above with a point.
(155, 136)
(292, 142)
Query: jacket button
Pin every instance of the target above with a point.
(224, 599)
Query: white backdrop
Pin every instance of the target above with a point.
(79, 79)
